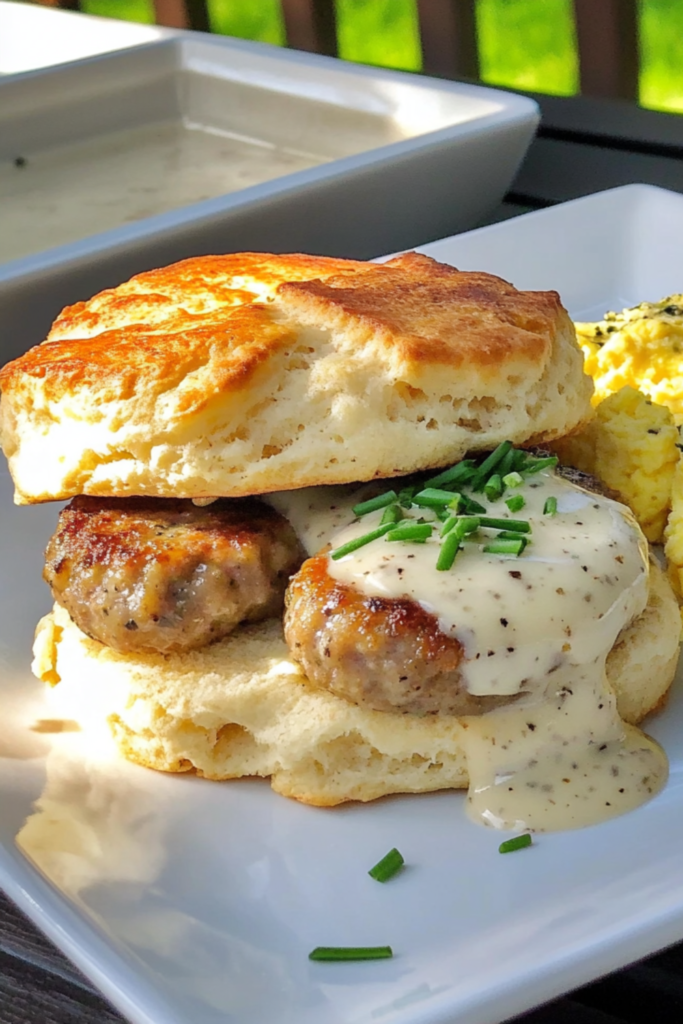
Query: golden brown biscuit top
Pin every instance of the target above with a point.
(230, 314)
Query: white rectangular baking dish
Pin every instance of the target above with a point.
(195, 144)
(38, 37)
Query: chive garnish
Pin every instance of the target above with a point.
(392, 514)
(406, 495)
(489, 464)
(515, 525)
(359, 542)
(550, 507)
(515, 503)
(510, 535)
(433, 497)
(387, 867)
(449, 550)
(461, 472)
(505, 546)
(513, 479)
(407, 530)
(537, 465)
(373, 504)
(518, 843)
(351, 953)
(448, 525)
(472, 507)
(456, 502)
(493, 488)
(506, 463)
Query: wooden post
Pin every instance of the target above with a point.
(192, 14)
(448, 33)
(311, 25)
(607, 36)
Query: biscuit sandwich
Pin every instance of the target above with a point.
(241, 432)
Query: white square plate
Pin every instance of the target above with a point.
(190, 902)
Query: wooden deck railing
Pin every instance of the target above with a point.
(606, 32)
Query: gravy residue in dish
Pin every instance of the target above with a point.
(540, 626)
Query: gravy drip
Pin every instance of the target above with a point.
(539, 625)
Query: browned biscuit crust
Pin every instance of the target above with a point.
(243, 374)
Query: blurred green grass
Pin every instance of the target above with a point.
(525, 44)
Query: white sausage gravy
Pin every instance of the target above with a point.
(540, 625)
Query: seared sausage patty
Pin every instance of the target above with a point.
(381, 653)
(155, 574)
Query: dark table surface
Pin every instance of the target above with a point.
(583, 146)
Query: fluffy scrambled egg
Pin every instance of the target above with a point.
(631, 446)
(641, 347)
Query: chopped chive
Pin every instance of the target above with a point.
(520, 460)
(468, 524)
(489, 464)
(516, 525)
(472, 507)
(432, 497)
(550, 507)
(448, 552)
(406, 495)
(493, 488)
(513, 479)
(448, 525)
(505, 546)
(460, 473)
(407, 530)
(359, 542)
(387, 867)
(506, 463)
(515, 503)
(509, 535)
(518, 843)
(442, 514)
(381, 501)
(457, 502)
(392, 514)
(351, 953)
(538, 464)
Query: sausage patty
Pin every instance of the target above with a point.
(382, 653)
(155, 574)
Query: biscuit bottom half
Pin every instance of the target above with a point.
(242, 707)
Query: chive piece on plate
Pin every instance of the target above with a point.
(472, 507)
(493, 488)
(406, 495)
(460, 473)
(433, 497)
(538, 464)
(448, 525)
(387, 867)
(516, 502)
(505, 546)
(489, 464)
(359, 542)
(518, 843)
(410, 531)
(449, 550)
(392, 514)
(514, 525)
(550, 507)
(373, 504)
(506, 463)
(351, 953)
(513, 479)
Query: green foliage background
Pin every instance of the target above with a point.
(526, 44)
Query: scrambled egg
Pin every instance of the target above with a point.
(641, 347)
(631, 446)
(673, 535)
